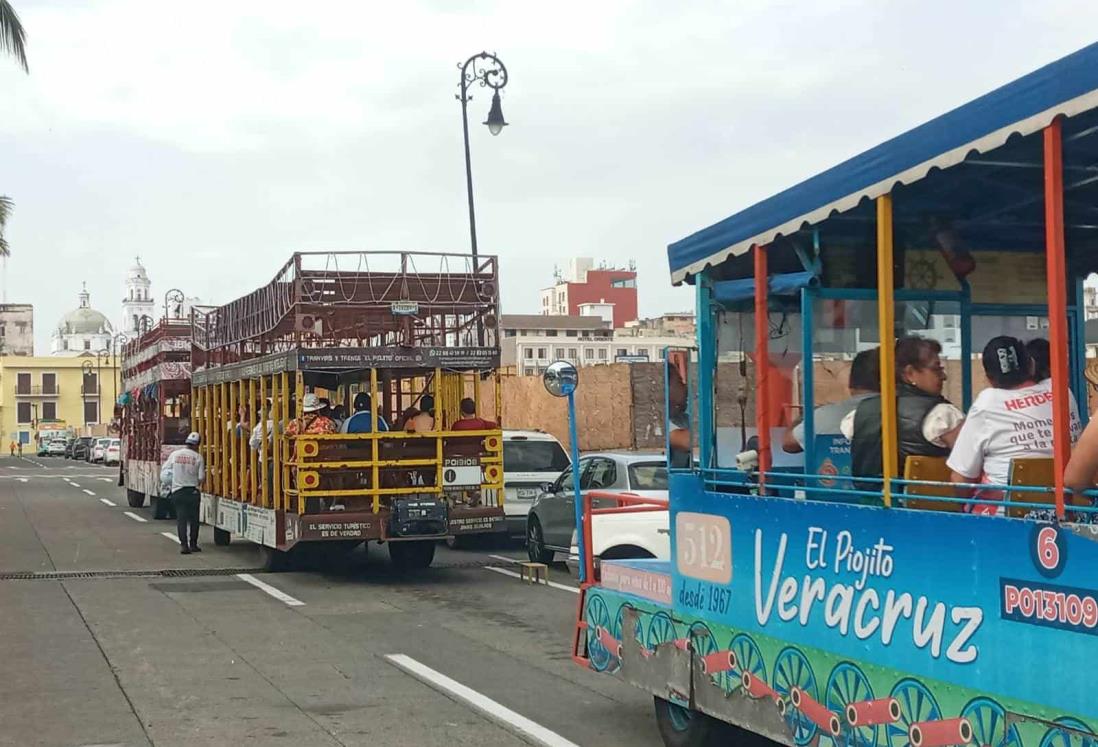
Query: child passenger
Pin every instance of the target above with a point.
(1010, 419)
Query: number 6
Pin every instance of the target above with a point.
(1048, 552)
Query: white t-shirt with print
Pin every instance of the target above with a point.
(1006, 424)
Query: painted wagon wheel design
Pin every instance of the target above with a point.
(660, 630)
(792, 669)
(848, 684)
(1061, 738)
(597, 617)
(704, 643)
(917, 704)
(619, 624)
(989, 726)
(748, 659)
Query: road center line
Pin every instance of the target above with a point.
(170, 536)
(135, 517)
(505, 717)
(512, 574)
(276, 593)
(107, 502)
(505, 559)
(22, 479)
(88, 491)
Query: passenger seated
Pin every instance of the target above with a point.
(926, 422)
(469, 420)
(1011, 419)
(864, 382)
(364, 419)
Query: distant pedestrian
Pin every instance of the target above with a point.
(12, 447)
(20, 447)
(184, 472)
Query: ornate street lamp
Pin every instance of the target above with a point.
(486, 69)
(173, 296)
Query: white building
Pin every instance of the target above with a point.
(137, 302)
(82, 330)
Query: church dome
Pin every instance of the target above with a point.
(84, 320)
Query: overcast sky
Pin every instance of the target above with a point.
(215, 138)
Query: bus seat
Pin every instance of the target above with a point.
(1037, 472)
(932, 469)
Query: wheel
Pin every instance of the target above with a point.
(748, 659)
(597, 616)
(792, 669)
(222, 537)
(464, 541)
(661, 629)
(273, 560)
(848, 684)
(917, 705)
(1062, 738)
(681, 727)
(988, 721)
(135, 498)
(535, 543)
(161, 508)
(412, 555)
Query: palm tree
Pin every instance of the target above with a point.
(13, 39)
(5, 210)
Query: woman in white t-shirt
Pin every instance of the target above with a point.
(1011, 419)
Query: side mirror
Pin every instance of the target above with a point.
(547, 487)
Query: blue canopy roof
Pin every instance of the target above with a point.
(1066, 87)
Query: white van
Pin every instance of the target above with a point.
(531, 459)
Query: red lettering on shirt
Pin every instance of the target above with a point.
(1030, 400)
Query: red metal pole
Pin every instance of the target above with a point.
(1057, 304)
(762, 363)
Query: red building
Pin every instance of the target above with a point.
(586, 284)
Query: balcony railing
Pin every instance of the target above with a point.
(37, 391)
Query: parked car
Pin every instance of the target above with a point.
(81, 447)
(113, 452)
(532, 460)
(44, 447)
(98, 449)
(57, 447)
(70, 444)
(551, 522)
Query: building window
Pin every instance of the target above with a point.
(508, 333)
(602, 354)
(23, 412)
(558, 353)
(3, 330)
(572, 354)
(64, 344)
(570, 333)
(542, 354)
(87, 344)
(624, 283)
(528, 354)
(49, 383)
(550, 333)
(622, 351)
(91, 412)
(589, 354)
(585, 333)
(90, 384)
(528, 371)
(23, 385)
(49, 411)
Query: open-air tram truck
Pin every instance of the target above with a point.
(155, 409)
(396, 326)
(803, 608)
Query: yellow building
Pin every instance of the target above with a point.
(56, 388)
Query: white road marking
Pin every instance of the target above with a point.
(88, 491)
(22, 479)
(170, 536)
(105, 501)
(505, 559)
(276, 593)
(497, 712)
(135, 517)
(512, 574)
(107, 479)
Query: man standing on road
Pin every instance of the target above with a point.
(20, 447)
(11, 446)
(183, 472)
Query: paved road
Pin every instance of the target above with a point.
(133, 656)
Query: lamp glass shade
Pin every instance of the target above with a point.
(495, 120)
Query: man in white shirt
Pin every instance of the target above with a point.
(182, 474)
(1011, 419)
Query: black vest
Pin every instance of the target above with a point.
(912, 407)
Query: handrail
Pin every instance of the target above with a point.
(636, 504)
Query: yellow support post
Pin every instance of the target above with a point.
(374, 473)
(219, 427)
(257, 412)
(230, 441)
(887, 331)
(276, 438)
(299, 388)
(499, 399)
(242, 442)
(264, 434)
(199, 408)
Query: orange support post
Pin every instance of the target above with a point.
(1055, 269)
(762, 364)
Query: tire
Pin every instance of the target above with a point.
(162, 508)
(273, 560)
(464, 541)
(412, 555)
(222, 537)
(535, 542)
(135, 498)
(682, 727)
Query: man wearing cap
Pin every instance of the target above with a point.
(364, 417)
(183, 473)
(311, 421)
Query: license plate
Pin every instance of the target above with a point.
(527, 492)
